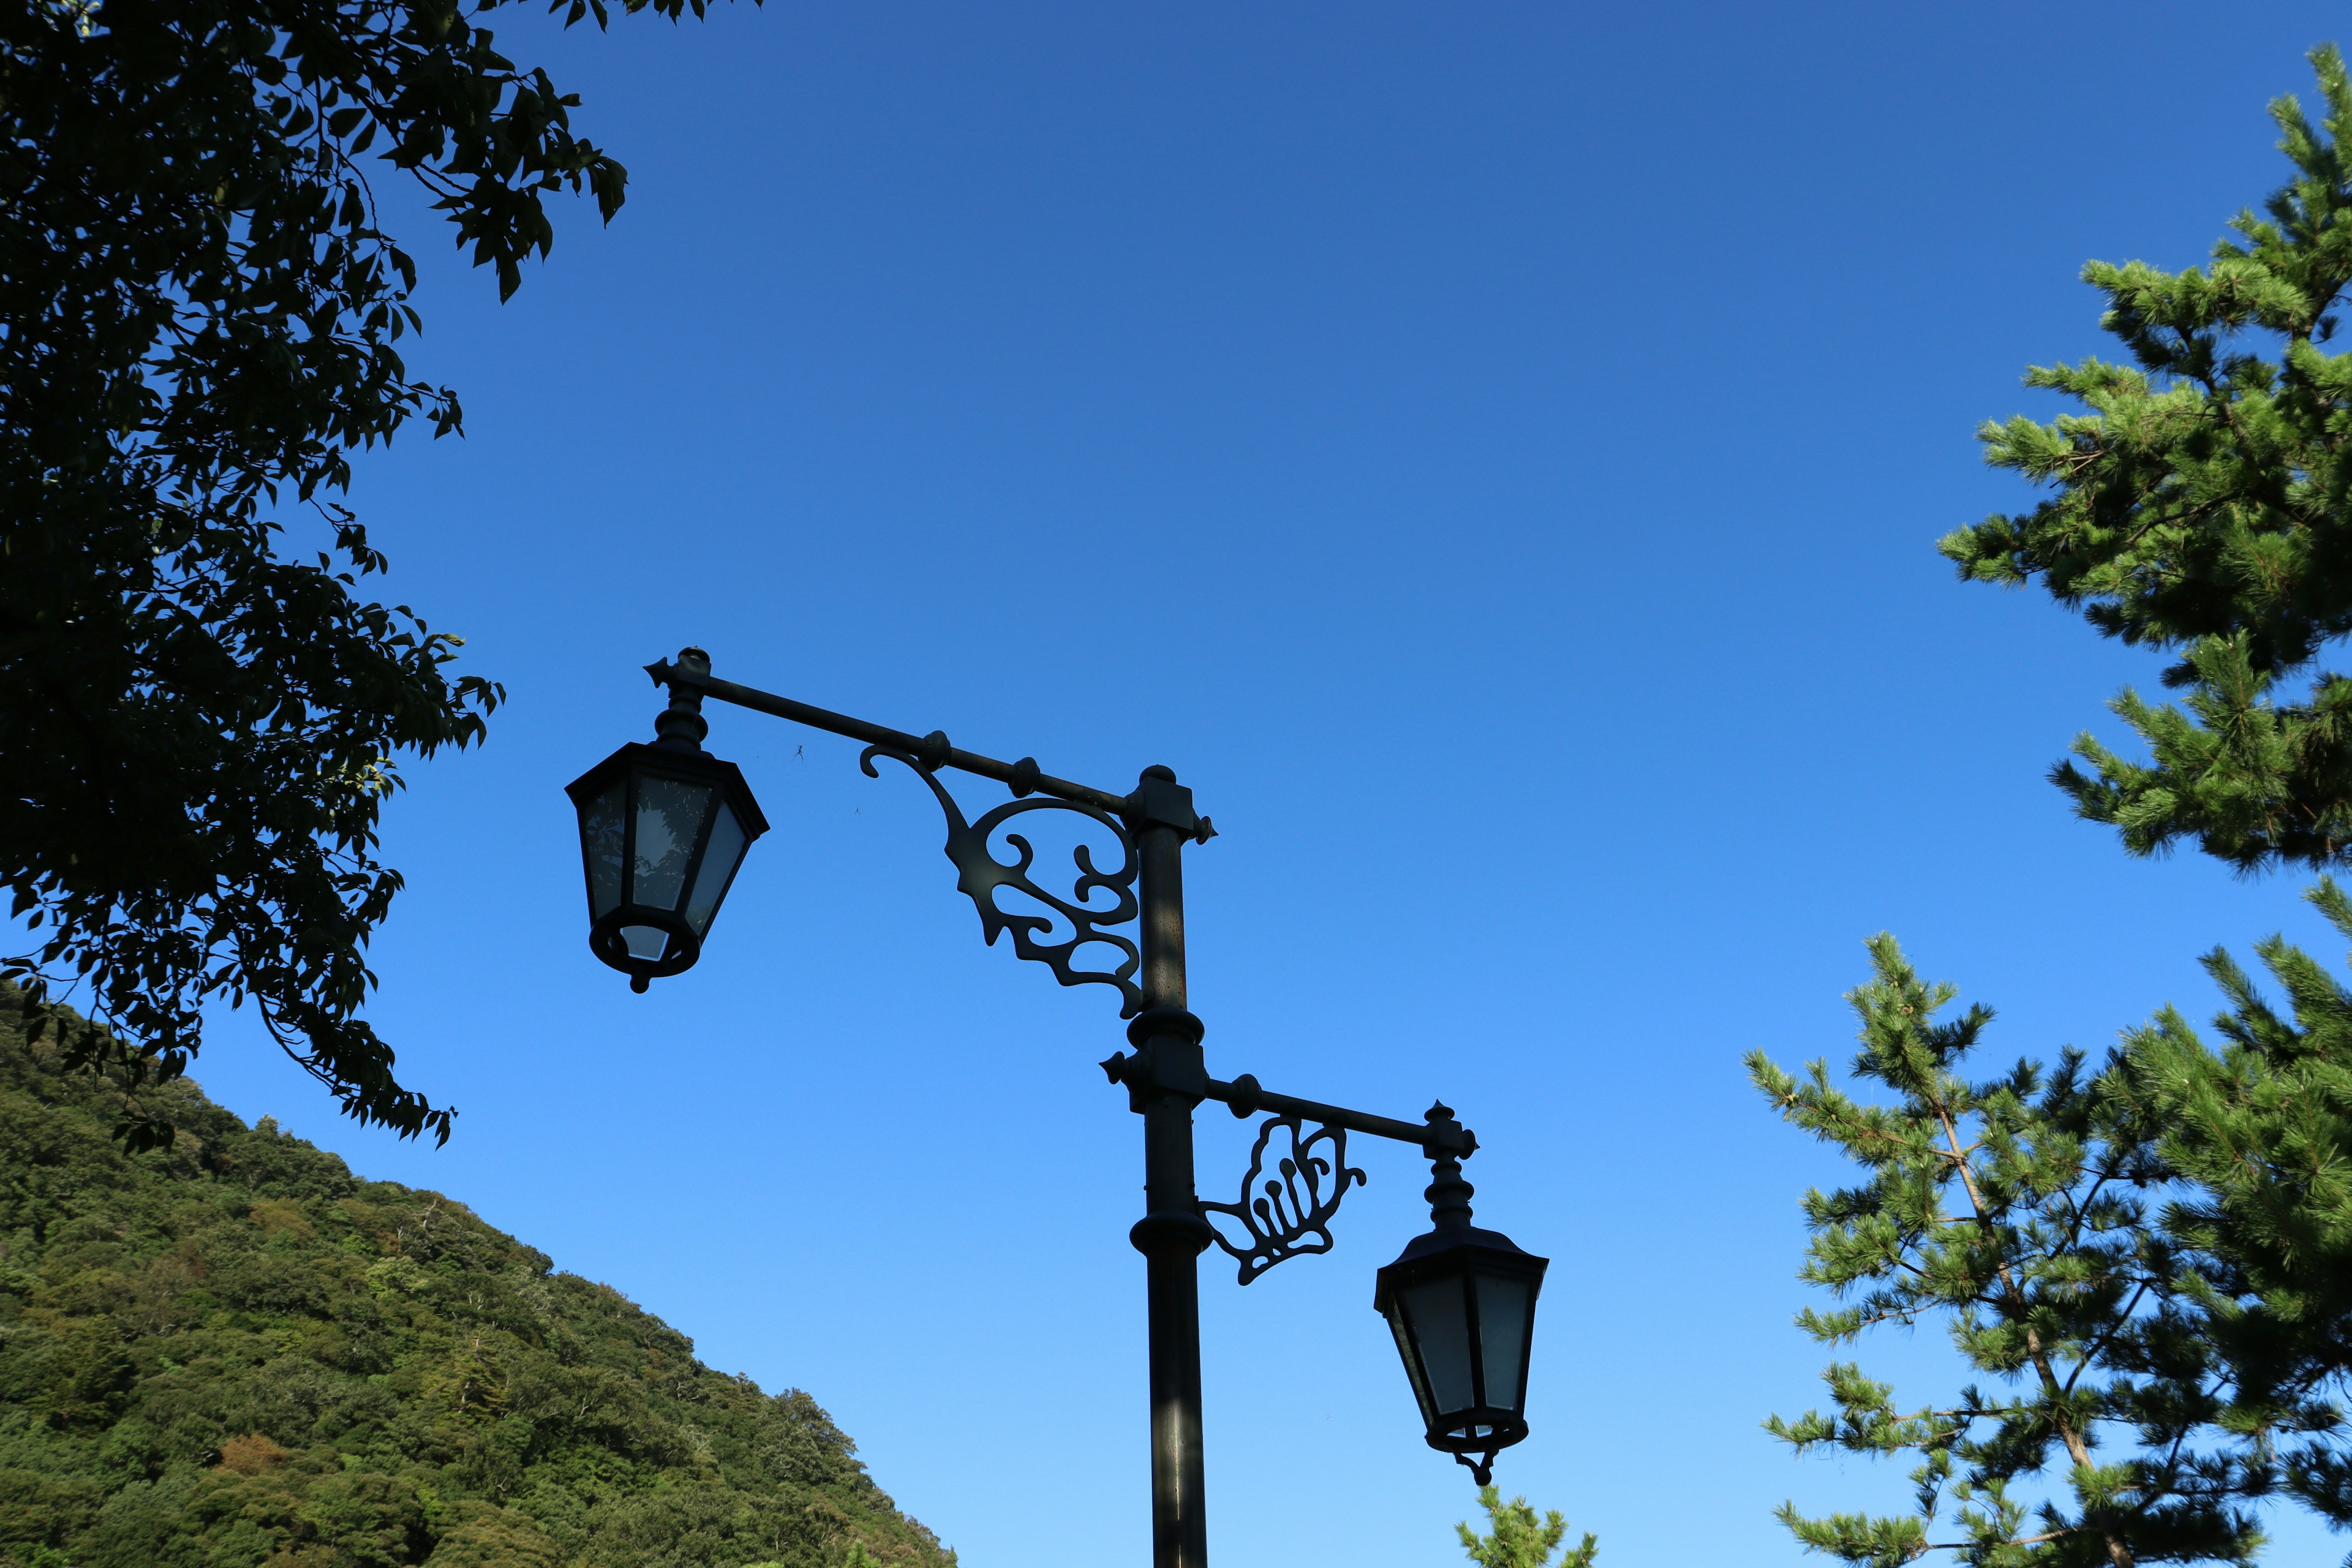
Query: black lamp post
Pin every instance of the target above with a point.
(663, 828)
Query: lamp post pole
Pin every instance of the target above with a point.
(656, 822)
(1172, 1234)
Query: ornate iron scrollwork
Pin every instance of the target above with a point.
(978, 874)
(1295, 1206)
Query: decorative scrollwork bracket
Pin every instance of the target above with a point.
(980, 874)
(1293, 1213)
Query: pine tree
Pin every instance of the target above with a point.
(1516, 1537)
(2012, 1210)
(2157, 1257)
(2203, 506)
(2261, 1133)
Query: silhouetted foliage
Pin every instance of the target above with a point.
(199, 321)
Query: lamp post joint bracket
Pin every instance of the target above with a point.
(1159, 801)
(1162, 1066)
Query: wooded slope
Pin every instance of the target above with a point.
(235, 1354)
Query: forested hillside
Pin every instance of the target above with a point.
(234, 1352)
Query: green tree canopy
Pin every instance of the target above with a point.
(2202, 505)
(200, 319)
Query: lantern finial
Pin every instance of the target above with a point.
(1448, 1193)
(681, 725)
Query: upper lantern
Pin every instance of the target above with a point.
(662, 829)
(1462, 1304)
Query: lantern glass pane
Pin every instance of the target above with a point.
(1411, 1366)
(1440, 1332)
(669, 818)
(1503, 1337)
(648, 942)
(718, 860)
(600, 844)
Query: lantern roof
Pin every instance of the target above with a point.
(696, 763)
(1445, 1239)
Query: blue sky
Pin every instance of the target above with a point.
(1494, 453)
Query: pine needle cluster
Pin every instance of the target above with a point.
(1517, 1537)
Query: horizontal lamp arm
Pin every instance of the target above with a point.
(1439, 1137)
(1247, 1098)
(932, 751)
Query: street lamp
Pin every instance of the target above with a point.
(663, 828)
(1462, 1304)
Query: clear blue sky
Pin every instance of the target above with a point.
(1494, 453)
